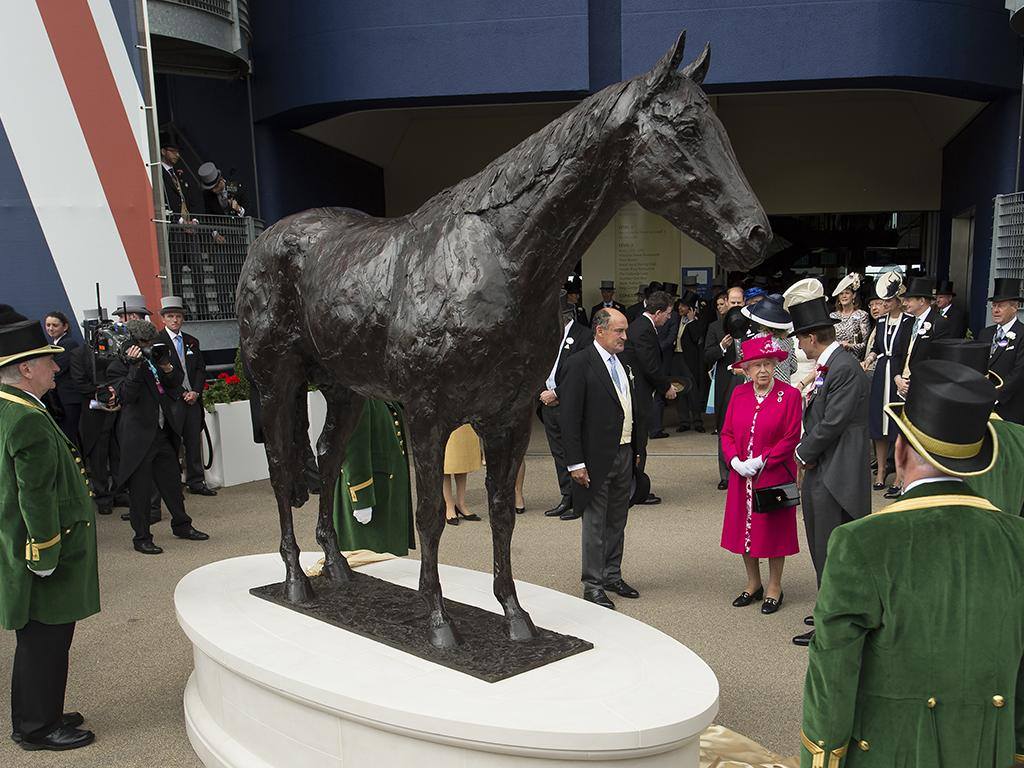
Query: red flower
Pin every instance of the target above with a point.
(206, 385)
(233, 380)
(222, 375)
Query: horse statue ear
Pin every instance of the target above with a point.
(661, 74)
(699, 69)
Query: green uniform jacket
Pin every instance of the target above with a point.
(47, 520)
(1004, 484)
(919, 636)
(376, 474)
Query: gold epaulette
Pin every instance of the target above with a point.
(944, 500)
(817, 751)
(32, 548)
(354, 489)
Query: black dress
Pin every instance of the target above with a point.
(891, 344)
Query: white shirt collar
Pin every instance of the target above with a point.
(924, 315)
(824, 357)
(1005, 326)
(26, 392)
(167, 168)
(926, 480)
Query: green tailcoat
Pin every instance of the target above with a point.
(1004, 484)
(916, 658)
(376, 474)
(47, 520)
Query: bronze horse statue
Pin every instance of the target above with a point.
(452, 309)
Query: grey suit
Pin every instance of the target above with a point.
(837, 488)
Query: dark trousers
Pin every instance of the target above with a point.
(553, 432)
(822, 515)
(604, 524)
(97, 430)
(644, 406)
(192, 437)
(159, 468)
(69, 423)
(654, 424)
(40, 677)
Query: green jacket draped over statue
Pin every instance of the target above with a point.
(376, 474)
(47, 520)
(919, 637)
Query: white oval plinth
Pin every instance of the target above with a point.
(276, 689)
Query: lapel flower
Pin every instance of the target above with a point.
(1011, 335)
(925, 327)
(629, 372)
(569, 340)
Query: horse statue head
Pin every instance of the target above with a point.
(682, 166)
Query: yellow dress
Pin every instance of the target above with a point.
(462, 453)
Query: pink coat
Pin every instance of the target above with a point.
(771, 430)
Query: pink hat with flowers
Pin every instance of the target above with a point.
(761, 347)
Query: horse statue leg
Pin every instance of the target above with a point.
(429, 440)
(505, 448)
(344, 409)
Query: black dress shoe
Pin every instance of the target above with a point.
(202, 490)
(60, 739)
(809, 621)
(659, 435)
(771, 605)
(125, 516)
(598, 597)
(460, 514)
(570, 514)
(520, 510)
(651, 499)
(148, 548)
(699, 427)
(804, 639)
(745, 598)
(193, 534)
(452, 520)
(723, 485)
(69, 720)
(560, 508)
(622, 589)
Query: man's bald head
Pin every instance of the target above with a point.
(610, 329)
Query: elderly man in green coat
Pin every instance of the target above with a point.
(373, 503)
(48, 575)
(920, 618)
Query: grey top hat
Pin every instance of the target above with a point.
(607, 285)
(172, 304)
(209, 175)
(131, 303)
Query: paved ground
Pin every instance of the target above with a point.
(130, 663)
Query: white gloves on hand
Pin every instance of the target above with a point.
(363, 515)
(747, 468)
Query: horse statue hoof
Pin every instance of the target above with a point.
(444, 636)
(298, 590)
(521, 627)
(338, 571)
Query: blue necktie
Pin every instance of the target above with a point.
(181, 351)
(1000, 334)
(615, 373)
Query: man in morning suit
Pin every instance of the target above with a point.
(607, 298)
(955, 314)
(920, 626)
(575, 338)
(1006, 358)
(643, 354)
(599, 432)
(836, 488)
(666, 341)
(48, 574)
(929, 324)
(188, 358)
(148, 429)
(719, 355)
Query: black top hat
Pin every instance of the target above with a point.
(607, 285)
(808, 315)
(672, 289)
(689, 298)
(166, 142)
(736, 323)
(769, 312)
(946, 418)
(22, 341)
(655, 285)
(945, 288)
(921, 286)
(973, 354)
(574, 284)
(1006, 289)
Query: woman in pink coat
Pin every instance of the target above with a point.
(760, 430)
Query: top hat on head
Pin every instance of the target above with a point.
(691, 283)
(973, 354)
(672, 289)
(770, 313)
(574, 284)
(689, 298)
(946, 418)
(736, 324)
(209, 175)
(166, 142)
(809, 315)
(1005, 289)
(172, 304)
(131, 303)
(802, 290)
(945, 288)
(849, 283)
(759, 348)
(607, 285)
(24, 340)
(655, 285)
(920, 286)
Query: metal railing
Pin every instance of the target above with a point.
(206, 259)
(1008, 236)
(220, 8)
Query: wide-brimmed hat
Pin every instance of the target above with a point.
(24, 340)
(209, 175)
(607, 285)
(850, 282)
(945, 288)
(946, 418)
(736, 324)
(131, 303)
(770, 313)
(172, 304)
(973, 354)
(889, 285)
(1006, 289)
(801, 291)
(920, 286)
(759, 348)
(808, 315)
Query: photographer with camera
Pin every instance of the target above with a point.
(220, 197)
(150, 425)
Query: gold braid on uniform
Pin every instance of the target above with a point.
(817, 751)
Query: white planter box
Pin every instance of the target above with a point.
(236, 458)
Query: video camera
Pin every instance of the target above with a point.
(111, 339)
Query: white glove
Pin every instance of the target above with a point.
(363, 515)
(757, 463)
(742, 467)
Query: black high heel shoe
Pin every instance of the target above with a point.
(746, 598)
(520, 510)
(452, 520)
(771, 605)
(459, 513)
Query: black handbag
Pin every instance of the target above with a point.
(776, 497)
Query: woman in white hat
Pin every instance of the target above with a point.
(854, 324)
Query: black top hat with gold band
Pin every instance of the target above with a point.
(23, 341)
(946, 418)
(973, 354)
